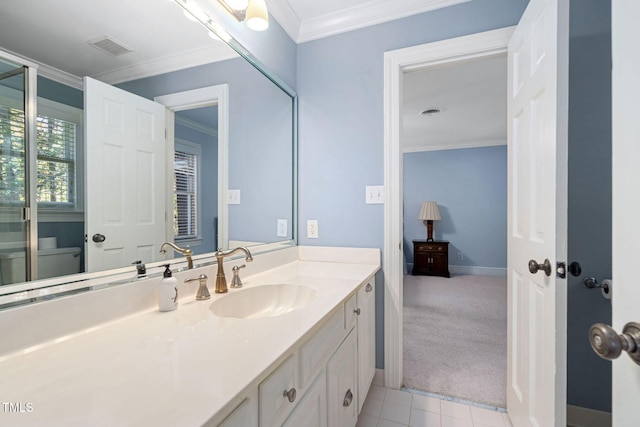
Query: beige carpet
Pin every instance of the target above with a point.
(455, 337)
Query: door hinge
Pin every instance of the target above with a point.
(561, 270)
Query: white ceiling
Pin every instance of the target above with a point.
(56, 33)
(472, 98)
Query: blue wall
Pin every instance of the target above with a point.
(259, 133)
(340, 85)
(589, 225)
(470, 186)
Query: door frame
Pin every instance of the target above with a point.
(396, 62)
(196, 98)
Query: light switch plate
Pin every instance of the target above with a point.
(374, 194)
(233, 197)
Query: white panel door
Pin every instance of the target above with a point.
(125, 179)
(537, 190)
(626, 202)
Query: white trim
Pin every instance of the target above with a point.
(351, 18)
(197, 126)
(193, 58)
(455, 146)
(204, 97)
(490, 43)
(578, 416)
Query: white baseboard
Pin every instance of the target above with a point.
(378, 378)
(459, 270)
(578, 416)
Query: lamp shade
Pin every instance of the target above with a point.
(257, 15)
(429, 212)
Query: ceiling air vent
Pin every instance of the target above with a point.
(110, 46)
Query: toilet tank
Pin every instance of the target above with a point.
(51, 263)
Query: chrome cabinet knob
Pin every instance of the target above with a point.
(608, 344)
(368, 288)
(357, 311)
(534, 267)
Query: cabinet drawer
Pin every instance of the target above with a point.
(349, 312)
(431, 248)
(315, 352)
(274, 404)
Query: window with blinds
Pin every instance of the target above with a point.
(185, 200)
(12, 156)
(56, 159)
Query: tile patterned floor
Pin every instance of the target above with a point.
(398, 408)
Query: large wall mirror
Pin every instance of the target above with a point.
(222, 175)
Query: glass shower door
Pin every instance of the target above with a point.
(14, 180)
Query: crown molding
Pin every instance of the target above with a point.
(192, 58)
(352, 18)
(454, 145)
(282, 11)
(197, 126)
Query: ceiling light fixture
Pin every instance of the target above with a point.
(253, 11)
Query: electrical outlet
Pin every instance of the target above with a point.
(460, 256)
(312, 228)
(282, 228)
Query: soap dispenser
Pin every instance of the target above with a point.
(168, 291)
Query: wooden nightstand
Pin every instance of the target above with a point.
(430, 258)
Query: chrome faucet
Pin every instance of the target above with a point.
(221, 280)
(186, 252)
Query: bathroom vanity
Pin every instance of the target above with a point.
(295, 346)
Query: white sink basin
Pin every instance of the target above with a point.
(263, 301)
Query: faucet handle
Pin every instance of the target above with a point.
(236, 282)
(203, 291)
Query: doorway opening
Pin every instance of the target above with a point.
(489, 44)
(455, 329)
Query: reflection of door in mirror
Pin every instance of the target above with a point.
(125, 215)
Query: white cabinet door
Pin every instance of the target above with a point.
(342, 385)
(312, 409)
(366, 340)
(245, 415)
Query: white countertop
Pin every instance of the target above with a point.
(174, 368)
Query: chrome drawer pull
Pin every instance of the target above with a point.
(368, 288)
(357, 311)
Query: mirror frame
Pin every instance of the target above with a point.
(30, 292)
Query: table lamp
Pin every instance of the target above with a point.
(429, 212)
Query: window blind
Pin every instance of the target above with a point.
(185, 195)
(12, 155)
(56, 158)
